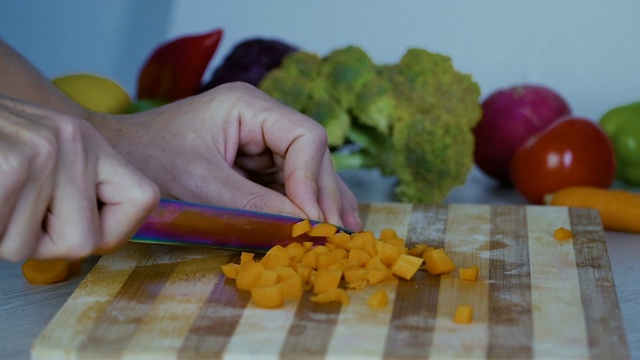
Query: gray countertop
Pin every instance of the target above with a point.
(25, 309)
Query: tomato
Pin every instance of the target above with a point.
(572, 151)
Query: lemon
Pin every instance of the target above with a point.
(96, 93)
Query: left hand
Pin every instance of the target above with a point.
(235, 146)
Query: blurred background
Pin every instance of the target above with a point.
(588, 50)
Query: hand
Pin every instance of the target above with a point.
(235, 146)
(65, 192)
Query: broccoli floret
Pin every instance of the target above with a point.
(412, 119)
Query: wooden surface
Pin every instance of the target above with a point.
(536, 298)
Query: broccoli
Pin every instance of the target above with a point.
(412, 119)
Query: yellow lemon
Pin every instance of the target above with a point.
(94, 92)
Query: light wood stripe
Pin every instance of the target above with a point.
(87, 304)
(216, 321)
(558, 318)
(510, 317)
(467, 243)
(605, 329)
(411, 329)
(178, 305)
(362, 331)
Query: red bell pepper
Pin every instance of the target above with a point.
(175, 69)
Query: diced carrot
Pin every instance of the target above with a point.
(438, 262)
(269, 277)
(406, 266)
(322, 229)
(378, 299)
(562, 233)
(292, 288)
(397, 242)
(270, 261)
(353, 275)
(375, 263)
(296, 250)
(386, 234)
(267, 296)
(357, 285)
(331, 296)
(246, 257)
(248, 275)
(359, 256)
(310, 260)
(376, 276)
(300, 227)
(45, 271)
(463, 314)
(339, 239)
(388, 253)
(470, 273)
(280, 251)
(230, 270)
(327, 280)
(326, 259)
(285, 272)
(417, 250)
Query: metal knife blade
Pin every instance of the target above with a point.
(186, 223)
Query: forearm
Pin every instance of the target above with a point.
(19, 79)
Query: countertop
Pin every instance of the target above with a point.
(26, 309)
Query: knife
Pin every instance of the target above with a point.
(176, 222)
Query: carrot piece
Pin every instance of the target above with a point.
(619, 209)
(406, 266)
(267, 296)
(388, 253)
(279, 250)
(357, 285)
(438, 262)
(322, 229)
(463, 314)
(375, 263)
(562, 233)
(378, 299)
(285, 272)
(246, 257)
(327, 280)
(270, 261)
(292, 288)
(296, 250)
(331, 296)
(45, 271)
(386, 234)
(360, 256)
(357, 274)
(248, 275)
(300, 227)
(375, 276)
(339, 239)
(310, 260)
(417, 250)
(470, 273)
(230, 270)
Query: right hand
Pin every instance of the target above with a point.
(65, 193)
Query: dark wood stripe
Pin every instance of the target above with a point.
(311, 330)
(413, 319)
(606, 334)
(120, 321)
(217, 320)
(510, 310)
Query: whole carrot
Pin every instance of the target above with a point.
(619, 209)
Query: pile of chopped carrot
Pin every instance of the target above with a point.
(345, 261)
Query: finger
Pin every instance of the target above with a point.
(127, 198)
(329, 196)
(72, 222)
(350, 209)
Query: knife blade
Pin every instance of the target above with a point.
(176, 222)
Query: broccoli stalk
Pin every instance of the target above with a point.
(412, 119)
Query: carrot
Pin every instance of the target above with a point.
(45, 271)
(463, 314)
(562, 233)
(619, 209)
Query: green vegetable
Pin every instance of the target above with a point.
(412, 119)
(622, 124)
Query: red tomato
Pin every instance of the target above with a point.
(570, 152)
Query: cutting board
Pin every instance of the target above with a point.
(536, 297)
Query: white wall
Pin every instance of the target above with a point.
(588, 50)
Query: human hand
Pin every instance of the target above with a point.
(65, 193)
(235, 146)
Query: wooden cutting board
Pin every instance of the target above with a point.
(536, 297)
